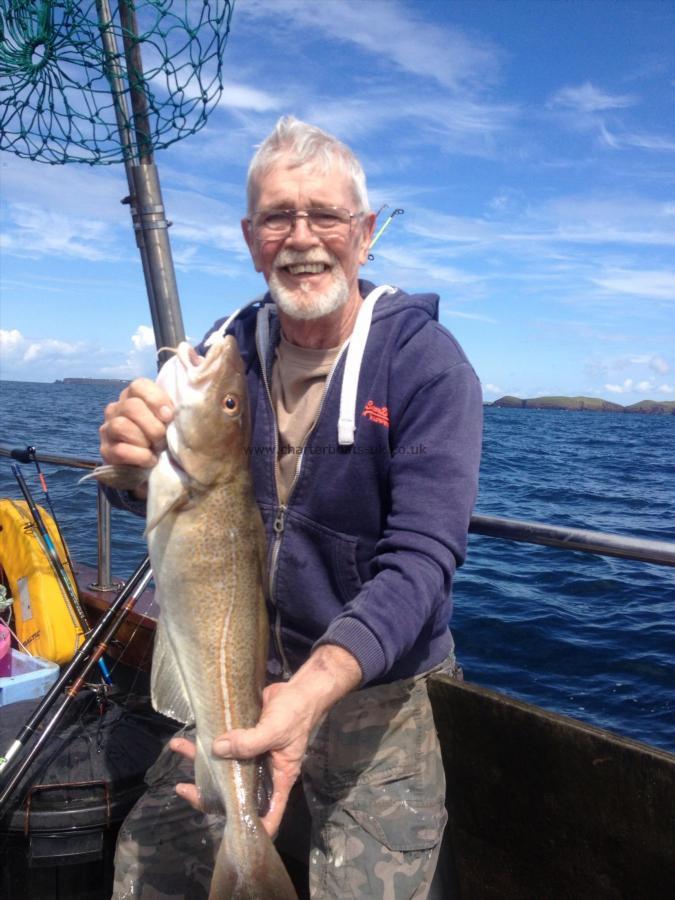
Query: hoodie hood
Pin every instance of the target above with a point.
(378, 304)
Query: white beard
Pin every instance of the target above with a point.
(303, 302)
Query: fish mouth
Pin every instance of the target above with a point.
(222, 355)
(176, 464)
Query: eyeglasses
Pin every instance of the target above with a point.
(325, 220)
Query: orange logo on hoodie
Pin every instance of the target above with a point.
(379, 414)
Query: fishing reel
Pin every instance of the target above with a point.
(29, 455)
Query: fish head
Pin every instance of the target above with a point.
(210, 431)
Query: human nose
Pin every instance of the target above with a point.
(301, 233)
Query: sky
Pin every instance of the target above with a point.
(531, 144)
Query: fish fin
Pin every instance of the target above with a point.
(167, 492)
(124, 478)
(209, 794)
(167, 688)
(257, 873)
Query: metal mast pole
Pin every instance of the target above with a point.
(145, 195)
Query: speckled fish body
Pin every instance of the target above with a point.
(207, 549)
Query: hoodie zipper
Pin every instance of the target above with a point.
(281, 509)
(276, 626)
(278, 525)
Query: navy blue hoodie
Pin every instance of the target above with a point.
(364, 552)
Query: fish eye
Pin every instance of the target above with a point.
(231, 404)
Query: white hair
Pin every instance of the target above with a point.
(296, 144)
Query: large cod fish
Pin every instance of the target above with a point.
(207, 549)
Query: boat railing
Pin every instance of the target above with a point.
(562, 537)
(601, 543)
(104, 580)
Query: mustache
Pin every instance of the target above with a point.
(288, 257)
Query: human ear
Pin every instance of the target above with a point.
(249, 237)
(366, 237)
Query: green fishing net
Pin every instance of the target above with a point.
(69, 71)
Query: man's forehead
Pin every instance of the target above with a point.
(288, 181)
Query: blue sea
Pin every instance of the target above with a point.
(591, 637)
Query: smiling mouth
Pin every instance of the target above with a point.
(307, 268)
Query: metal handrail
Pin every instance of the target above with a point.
(600, 543)
(104, 581)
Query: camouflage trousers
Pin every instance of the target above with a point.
(373, 783)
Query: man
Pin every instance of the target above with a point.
(372, 418)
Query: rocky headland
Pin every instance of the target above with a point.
(586, 404)
(117, 382)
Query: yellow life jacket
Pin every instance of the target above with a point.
(45, 621)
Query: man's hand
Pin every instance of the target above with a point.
(290, 713)
(133, 432)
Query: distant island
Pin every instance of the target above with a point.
(587, 404)
(109, 381)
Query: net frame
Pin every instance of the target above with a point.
(76, 77)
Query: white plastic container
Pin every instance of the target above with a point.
(31, 678)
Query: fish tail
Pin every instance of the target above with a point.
(256, 874)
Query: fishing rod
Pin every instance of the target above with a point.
(387, 222)
(50, 549)
(55, 562)
(30, 455)
(108, 626)
(130, 588)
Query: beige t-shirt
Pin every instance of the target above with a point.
(298, 379)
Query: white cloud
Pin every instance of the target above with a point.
(140, 360)
(644, 141)
(83, 192)
(450, 229)
(202, 224)
(478, 317)
(602, 220)
(624, 388)
(462, 125)
(20, 350)
(36, 231)
(49, 358)
(652, 284)
(86, 221)
(651, 361)
(241, 96)
(391, 32)
(492, 389)
(144, 337)
(50, 348)
(404, 262)
(552, 236)
(457, 124)
(586, 98)
(645, 386)
(10, 341)
(656, 363)
(588, 108)
(234, 95)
